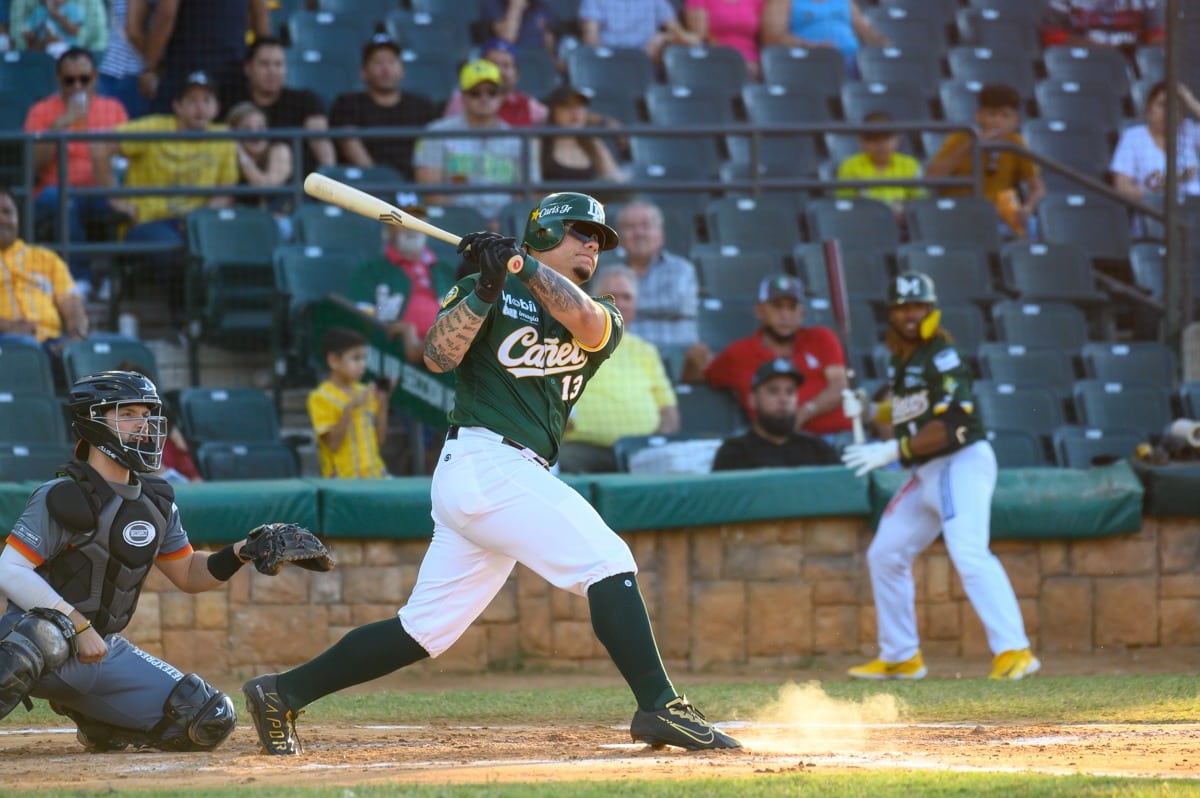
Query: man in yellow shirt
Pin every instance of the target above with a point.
(38, 298)
(349, 418)
(170, 162)
(880, 160)
(630, 395)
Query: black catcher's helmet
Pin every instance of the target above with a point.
(138, 450)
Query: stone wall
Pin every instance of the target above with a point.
(720, 597)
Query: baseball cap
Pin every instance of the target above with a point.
(498, 44)
(779, 287)
(478, 71)
(780, 367)
(197, 78)
(379, 41)
(410, 202)
(563, 94)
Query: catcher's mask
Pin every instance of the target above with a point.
(916, 288)
(136, 443)
(547, 222)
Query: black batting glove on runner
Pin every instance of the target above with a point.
(493, 266)
(472, 244)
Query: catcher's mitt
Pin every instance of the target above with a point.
(271, 545)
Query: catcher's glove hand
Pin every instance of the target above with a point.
(271, 545)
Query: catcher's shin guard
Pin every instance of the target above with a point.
(39, 642)
(274, 721)
(196, 717)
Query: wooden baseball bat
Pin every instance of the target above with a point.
(335, 192)
(839, 299)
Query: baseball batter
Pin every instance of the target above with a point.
(522, 348)
(73, 570)
(939, 435)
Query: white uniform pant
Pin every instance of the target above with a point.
(493, 507)
(951, 495)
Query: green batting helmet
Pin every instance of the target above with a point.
(545, 227)
(911, 287)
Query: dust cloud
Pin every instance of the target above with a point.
(804, 719)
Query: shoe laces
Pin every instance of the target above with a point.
(681, 706)
(291, 721)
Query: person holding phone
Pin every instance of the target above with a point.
(349, 418)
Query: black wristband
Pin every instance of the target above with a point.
(224, 564)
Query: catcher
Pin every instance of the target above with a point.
(74, 567)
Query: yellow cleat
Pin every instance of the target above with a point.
(1014, 664)
(878, 670)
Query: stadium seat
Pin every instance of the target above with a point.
(904, 102)
(751, 224)
(1105, 65)
(675, 157)
(966, 324)
(329, 33)
(608, 71)
(468, 9)
(320, 224)
(374, 10)
(1144, 408)
(1006, 405)
(954, 222)
(460, 218)
(326, 73)
(1058, 324)
(513, 218)
(781, 153)
(1086, 447)
(723, 321)
(25, 368)
(1028, 12)
(993, 65)
(865, 272)
(805, 69)
(630, 445)
(304, 274)
(1051, 272)
(714, 70)
(680, 106)
(1131, 362)
(1079, 146)
(959, 99)
(707, 412)
(90, 355)
(960, 274)
(1093, 103)
(857, 223)
(1189, 399)
(736, 275)
(32, 462)
(1151, 62)
(29, 418)
(1002, 28)
(1147, 259)
(538, 74)
(431, 73)
(940, 12)
(220, 460)
(1017, 448)
(1044, 366)
(891, 64)
(903, 28)
(387, 178)
(420, 32)
(228, 415)
(31, 74)
(1099, 226)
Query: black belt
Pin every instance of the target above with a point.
(452, 434)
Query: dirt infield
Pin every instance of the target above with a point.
(803, 730)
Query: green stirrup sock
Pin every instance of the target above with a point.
(621, 623)
(365, 653)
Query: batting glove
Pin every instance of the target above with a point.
(852, 403)
(472, 244)
(866, 457)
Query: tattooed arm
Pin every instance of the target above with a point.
(568, 303)
(450, 337)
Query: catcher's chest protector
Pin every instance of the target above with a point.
(103, 572)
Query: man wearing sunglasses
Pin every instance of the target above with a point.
(74, 107)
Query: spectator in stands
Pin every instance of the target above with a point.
(840, 24)
(570, 156)
(1126, 24)
(349, 418)
(517, 108)
(168, 162)
(1005, 174)
(122, 64)
(75, 106)
(631, 395)
(38, 298)
(880, 159)
(728, 24)
(668, 288)
(56, 25)
(1139, 163)
(815, 351)
(474, 160)
(648, 25)
(262, 162)
(186, 36)
(383, 104)
(522, 23)
(406, 283)
(773, 440)
(265, 76)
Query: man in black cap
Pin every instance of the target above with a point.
(383, 104)
(773, 441)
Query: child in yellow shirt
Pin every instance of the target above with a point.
(348, 417)
(878, 160)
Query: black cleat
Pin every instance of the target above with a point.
(679, 724)
(273, 720)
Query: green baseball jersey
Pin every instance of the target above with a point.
(524, 371)
(932, 380)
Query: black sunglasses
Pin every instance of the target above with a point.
(75, 80)
(483, 93)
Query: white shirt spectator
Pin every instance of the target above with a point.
(1140, 158)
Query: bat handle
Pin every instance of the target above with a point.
(859, 435)
(515, 264)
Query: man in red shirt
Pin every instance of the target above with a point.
(74, 107)
(815, 351)
(516, 108)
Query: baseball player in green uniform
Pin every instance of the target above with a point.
(523, 339)
(939, 435)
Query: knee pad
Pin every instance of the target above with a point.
(196, 717)
(41, 641)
